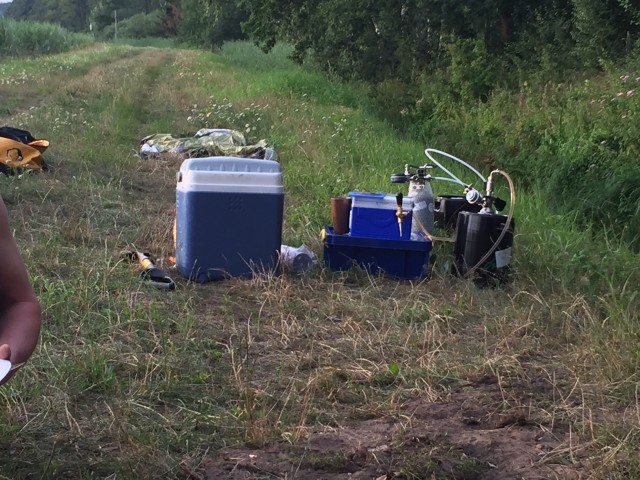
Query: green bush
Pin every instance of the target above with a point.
(23, 38)
(140, 25)
(395, 99)
(472, 72)
(210, 24)
(143, 25)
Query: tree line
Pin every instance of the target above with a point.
(476, 44)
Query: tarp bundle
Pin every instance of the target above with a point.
(205, 143)
(19, 150)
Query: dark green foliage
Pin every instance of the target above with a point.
(543, 46)
(210, 23)
(140, 25)
(71, 14)
(602, 30)
(104, 14)
(78, 15)
(355, 39)
(472, 71)
(377, 41)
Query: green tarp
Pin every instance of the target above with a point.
(205, 143)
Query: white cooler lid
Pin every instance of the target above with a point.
(230, 174)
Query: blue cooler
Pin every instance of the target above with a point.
(228, 217)
(373, 215)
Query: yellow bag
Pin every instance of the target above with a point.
(17, 155)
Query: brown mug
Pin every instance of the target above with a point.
(340, 214)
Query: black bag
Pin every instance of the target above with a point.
(16, 134)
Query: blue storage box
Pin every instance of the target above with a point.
(405, 259)
(228, 217)
(373, 215)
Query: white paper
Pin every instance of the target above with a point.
(5, 367)
(503, 257)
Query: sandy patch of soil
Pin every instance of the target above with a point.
(473, 434)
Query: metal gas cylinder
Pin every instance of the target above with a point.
(423, 208)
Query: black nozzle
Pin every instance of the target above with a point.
(499, 204)
(399, 199)
(158, 278)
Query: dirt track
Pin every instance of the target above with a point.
(471, 435)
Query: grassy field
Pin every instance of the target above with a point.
(284, 376)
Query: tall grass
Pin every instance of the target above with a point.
(25, 38)
(155, 42)
(575, 139)
(246, 55)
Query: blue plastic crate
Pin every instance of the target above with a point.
(404, 259)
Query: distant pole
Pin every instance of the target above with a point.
(115, 15)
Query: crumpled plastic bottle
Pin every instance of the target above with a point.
(297, 260)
